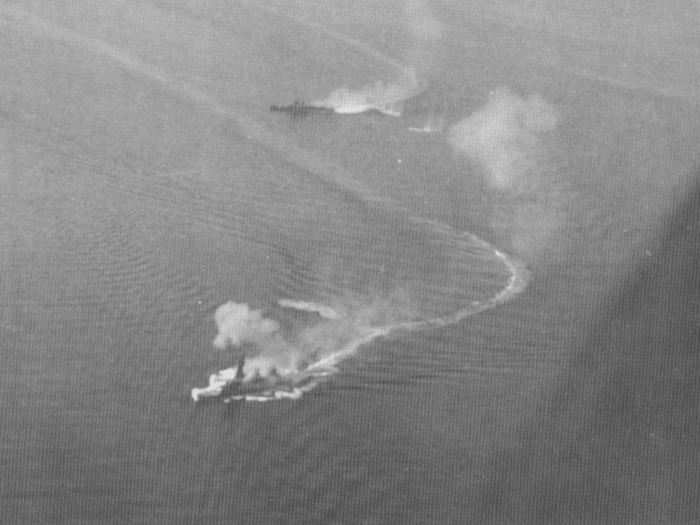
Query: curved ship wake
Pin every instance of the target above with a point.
(286, 368)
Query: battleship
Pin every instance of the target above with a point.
(232, 384)
(300, 109)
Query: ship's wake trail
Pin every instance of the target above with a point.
(282, 362)
(433, 124)
(387, 98)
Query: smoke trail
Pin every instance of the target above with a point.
(504, 137)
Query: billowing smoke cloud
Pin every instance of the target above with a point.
(272, 348)
(505, 137)
(238, 324)
(268, 351)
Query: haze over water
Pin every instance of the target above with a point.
(518, 166)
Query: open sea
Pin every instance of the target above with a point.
(488, 280)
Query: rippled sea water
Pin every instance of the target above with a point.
(144, 183)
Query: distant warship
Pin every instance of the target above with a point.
(234, 384)
(300, 109)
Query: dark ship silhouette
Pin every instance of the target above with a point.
(300, 109)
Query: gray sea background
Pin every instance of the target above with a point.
(144, 182)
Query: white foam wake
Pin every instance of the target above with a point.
(324, 311)
(314, 356)
(385, 97)
(432, 125)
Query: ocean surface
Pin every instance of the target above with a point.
(505, 264)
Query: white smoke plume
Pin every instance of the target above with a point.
(273, 349)
(238, 324)
(505, 137)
